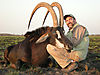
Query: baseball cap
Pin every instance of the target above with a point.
(69, 15)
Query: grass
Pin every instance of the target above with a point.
(94, 44)
(6, 41)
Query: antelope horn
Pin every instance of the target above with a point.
(50, 9)
(61, 21)
(42, 38)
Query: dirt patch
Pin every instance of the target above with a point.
(90, 66)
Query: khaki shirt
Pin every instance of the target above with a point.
(78, 35)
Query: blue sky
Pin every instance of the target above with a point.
(15, 14)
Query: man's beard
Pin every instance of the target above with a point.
(70, 26)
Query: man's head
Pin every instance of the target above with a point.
(70, 20)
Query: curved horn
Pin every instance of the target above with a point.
(61, 21)
(42, 38)
(50, 9)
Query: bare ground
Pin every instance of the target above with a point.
(90, 66)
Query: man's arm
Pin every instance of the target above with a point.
(78, 34)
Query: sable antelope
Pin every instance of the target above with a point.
(32, 49)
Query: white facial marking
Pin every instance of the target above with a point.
(59, 44)
(58, 33)
(67, 47)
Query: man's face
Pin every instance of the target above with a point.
(70, 22)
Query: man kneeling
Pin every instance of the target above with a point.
(78, 35)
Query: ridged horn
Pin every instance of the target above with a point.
(50, 9)
(61, 20)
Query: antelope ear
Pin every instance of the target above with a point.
(42, 38)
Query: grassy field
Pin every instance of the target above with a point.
(6, 41)
(94, 48)
(94, 45)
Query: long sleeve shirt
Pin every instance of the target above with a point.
(78, 35)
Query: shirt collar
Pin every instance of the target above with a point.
(74, 26)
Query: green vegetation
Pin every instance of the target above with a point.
(94, 43)
(6, 41)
